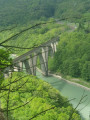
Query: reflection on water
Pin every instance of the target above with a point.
(71, 91)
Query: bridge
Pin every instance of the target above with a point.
(28, 61)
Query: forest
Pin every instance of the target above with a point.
(73, 55)
(35, 100)
(28, 11)
(32, 37)
(27, 24)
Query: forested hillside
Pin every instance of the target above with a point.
(33, 37)
(31, 98)
(23, 11)
(19, 15)
(25, 24)
(73, 55)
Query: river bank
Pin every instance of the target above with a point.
(74, 83)
(69, 81)
(70, 90)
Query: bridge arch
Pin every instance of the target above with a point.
(28, 61)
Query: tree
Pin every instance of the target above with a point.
(72, 54)
(86, 71)
(14, 90)
(5, 61)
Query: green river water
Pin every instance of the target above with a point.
(71, 91)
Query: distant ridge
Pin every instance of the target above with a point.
(22, 11)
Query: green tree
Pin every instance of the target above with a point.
(5, 61)
(72, 53)
(86, 71)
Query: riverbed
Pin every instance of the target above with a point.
(71, 91)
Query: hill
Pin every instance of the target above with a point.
(23, 11)
(73, 55)
(31, 98)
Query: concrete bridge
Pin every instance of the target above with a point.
(28, 61)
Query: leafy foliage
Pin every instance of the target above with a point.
(23, 11)
(73, 55)
(5, 59)
(71, 58)
(41, 97)
(33, 37)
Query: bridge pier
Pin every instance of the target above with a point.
(44, 60)
(52, 46)
(6, 75)
(55, 47)
(17, 67)
(20, 66)
(7, 72)
(50, 51)
(27, 66)
(33, 63)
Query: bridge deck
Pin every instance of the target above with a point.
(22, 57)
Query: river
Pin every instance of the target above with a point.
(71, 91)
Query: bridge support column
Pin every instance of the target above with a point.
(18, 67)
(33, 63)
(56, 43)
(50, 50)
(27, 66)
(55, 49)
(44, 60)
(52, 46)
(6, 75)
(7, 72)
(15, 69)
